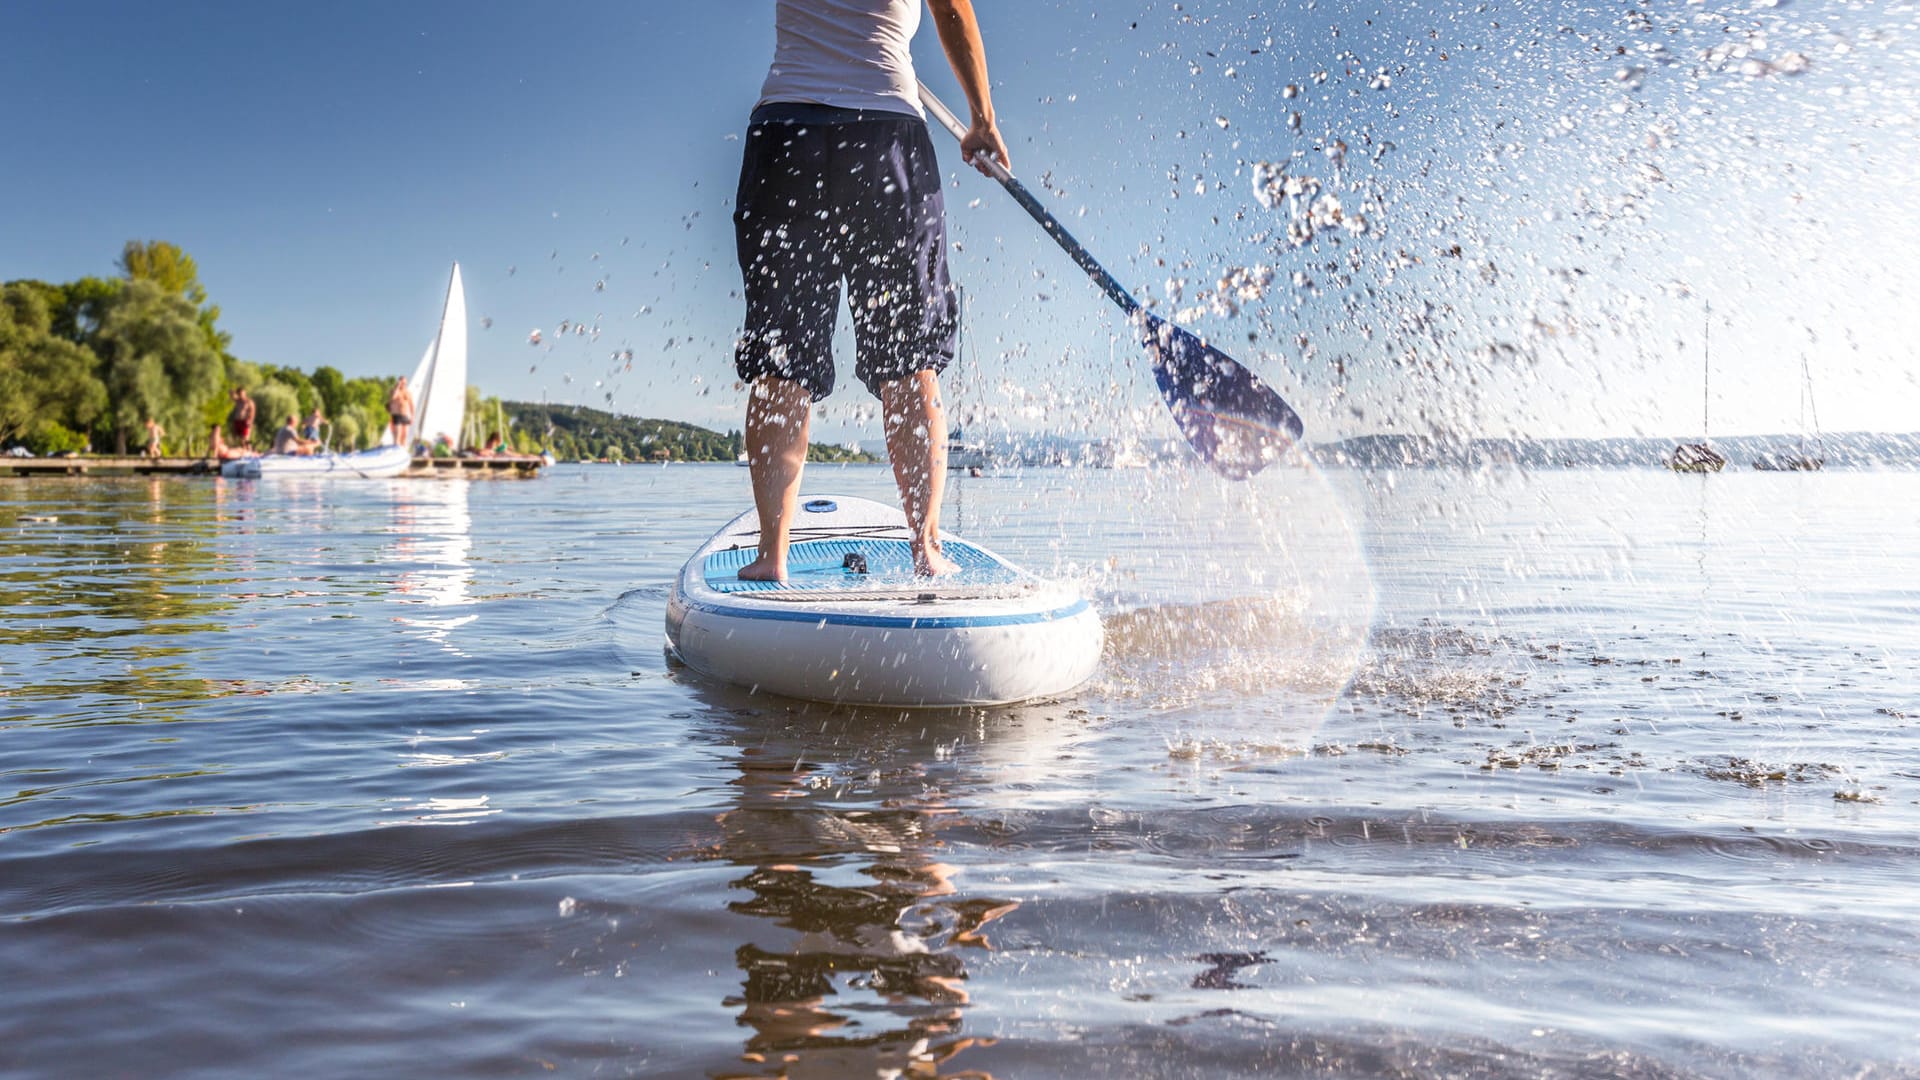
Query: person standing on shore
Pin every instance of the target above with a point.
(839, 183)
(241, 417)
(400, 412)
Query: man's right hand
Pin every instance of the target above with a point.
(982, 142)
(960, 38)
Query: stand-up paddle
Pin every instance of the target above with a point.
(1235, 422)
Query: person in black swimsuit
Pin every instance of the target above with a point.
(400, 412)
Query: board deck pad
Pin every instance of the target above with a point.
(815, 567)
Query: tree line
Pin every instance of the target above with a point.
(85, 364)
(578, 433)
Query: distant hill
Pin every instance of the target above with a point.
(1845, 450)
(579, 432)
(575, 432)
(1854, 449)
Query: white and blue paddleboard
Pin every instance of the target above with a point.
(854, 624)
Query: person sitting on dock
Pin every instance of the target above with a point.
(241, 418)
(288, 440)
(218, 450)
(154, 434)
(400, 412)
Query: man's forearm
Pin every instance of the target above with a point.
(960, 38)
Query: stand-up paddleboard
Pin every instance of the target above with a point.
(853, 623)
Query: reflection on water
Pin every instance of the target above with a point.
(430, 549)
(837, 816)
(440, 810)
(104, 600)
(1623, 786)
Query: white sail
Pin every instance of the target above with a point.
(440, 386)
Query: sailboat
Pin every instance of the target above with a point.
(1803, 461)
(439, 387)
(439, 382)
(1700, 457)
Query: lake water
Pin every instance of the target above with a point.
(1432, 773)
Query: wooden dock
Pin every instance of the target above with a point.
(453, 468)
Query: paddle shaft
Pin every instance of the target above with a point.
(1236, 423)
(1108, 284)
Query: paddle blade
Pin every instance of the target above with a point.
(1235, 422)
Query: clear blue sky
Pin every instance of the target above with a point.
(324, 163)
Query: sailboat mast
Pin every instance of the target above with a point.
(1808, 409)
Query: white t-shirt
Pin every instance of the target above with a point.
(852, 54)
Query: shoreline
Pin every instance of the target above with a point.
(140, 465)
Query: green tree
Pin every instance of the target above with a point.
(74, 309)
(49, 391)
(273, 401)
(346, 431)
(332, 388)
(365, 399)
(306, 397)
(175, 272)
(155, 360)
(165, 265)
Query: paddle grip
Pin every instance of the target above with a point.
(1108, 284)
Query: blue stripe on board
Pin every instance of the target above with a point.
(819, 564)
(899, 622)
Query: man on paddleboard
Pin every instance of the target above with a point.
(839, 184)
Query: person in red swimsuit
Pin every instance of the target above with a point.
(241, 418)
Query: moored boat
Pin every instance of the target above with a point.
(381, 461)
(1696, 458)
(1701, 457)
(1812, 453)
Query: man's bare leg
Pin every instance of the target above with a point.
(917, 444)
(778, 415)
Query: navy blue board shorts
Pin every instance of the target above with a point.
(830, 195)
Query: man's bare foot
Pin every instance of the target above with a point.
(764, 569)
(929, 561)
